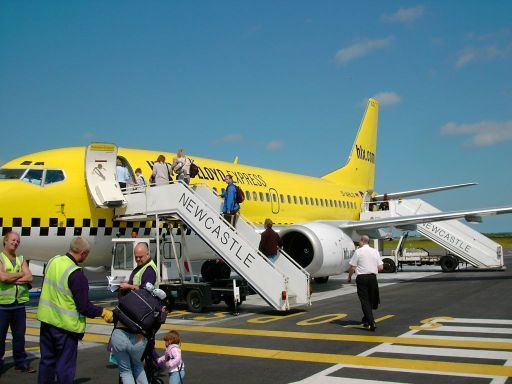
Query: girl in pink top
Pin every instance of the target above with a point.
(172, 357)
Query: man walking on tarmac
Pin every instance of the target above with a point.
(366, 263)
(63, 306)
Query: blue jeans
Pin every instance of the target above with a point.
(16, 318)
(174, 377)
(128, 353)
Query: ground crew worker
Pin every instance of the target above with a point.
(15, 278)
(144, 272)
(63, 306)
(366, 262)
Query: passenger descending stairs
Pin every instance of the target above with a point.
(453, 235)
(283, 285)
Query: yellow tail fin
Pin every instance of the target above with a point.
(360, 168)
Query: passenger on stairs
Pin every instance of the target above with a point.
(231, 207)
(162, 173)
(270, 242)
(181, 166)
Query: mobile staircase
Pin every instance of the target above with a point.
(283, 285)
(461, 241)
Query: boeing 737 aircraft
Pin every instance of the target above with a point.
(48, 197)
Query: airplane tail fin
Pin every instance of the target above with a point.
(360, 168)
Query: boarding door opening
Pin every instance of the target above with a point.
(100, 174)
(274, 200)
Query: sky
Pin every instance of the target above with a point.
(281, 84)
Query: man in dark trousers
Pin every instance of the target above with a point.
(270, 242)
(63, 306)
(366, 263)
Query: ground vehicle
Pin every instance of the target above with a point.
(418, 256)
(185, 288)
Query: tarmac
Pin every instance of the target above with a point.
(432, 327)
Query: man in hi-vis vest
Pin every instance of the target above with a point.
(144, 272)
(63, 306)
(15, 278)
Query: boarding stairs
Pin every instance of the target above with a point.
(283, 285)
(456, 237)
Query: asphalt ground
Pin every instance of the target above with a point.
(431, 328)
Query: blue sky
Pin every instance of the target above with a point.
(282, 84)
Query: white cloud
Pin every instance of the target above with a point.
(274, 145)
(228, 139)
(487, 53)
(231, 138)
(88, 135)
(483, 134)
(386, 99)
(404, 15)
(361, 49)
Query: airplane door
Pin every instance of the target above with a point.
(274, 200)
(100, 174)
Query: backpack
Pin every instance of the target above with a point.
(194, 169)
(239, 195)
(139, 311)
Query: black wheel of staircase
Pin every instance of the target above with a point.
(321, 280)
(195, 301)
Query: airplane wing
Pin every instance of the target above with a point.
(405, 222)
(404, 194)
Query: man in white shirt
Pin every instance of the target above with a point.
(366, 263)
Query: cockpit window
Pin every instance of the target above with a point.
(34, 176)
(11, 174)
(53, 176)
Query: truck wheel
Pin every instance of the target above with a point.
(449, 263)
(389, 265)
(195, 302)
(321, 280)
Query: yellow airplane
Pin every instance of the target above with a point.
(47, 197)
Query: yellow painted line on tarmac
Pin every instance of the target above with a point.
(499, 345)
(328, 358)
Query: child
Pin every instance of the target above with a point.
(172, 358)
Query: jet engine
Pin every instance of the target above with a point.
(321, 249)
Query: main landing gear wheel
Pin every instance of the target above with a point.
(389, 265)
(449, 263)
(195, 301)
(212, 270)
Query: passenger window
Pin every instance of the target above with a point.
(289, 199)
(282, 198)
(306, 200)
(330, 203)
(294, 199)
(322, 202)
(335, 204)
(53, 176)
(267, 195)
(11, 174)
(261, 196)
(301, 201)
(247, 195)
(274, 198)
(34, 176)
(255, 196)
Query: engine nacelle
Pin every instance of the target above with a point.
(321, 249)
